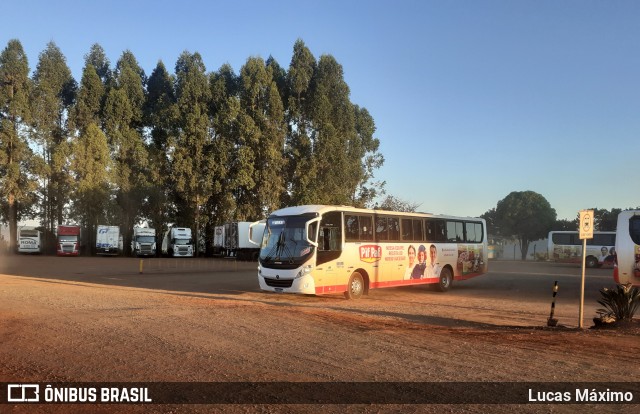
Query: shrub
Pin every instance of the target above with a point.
(620, 303)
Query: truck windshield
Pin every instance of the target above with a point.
(183, 241)
(285, 240)
(146, 239)
(63, 238)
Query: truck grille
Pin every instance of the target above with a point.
(280, 283)
(145, 248)
(67, 249)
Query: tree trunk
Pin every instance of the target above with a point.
(13, 223)
(524, 248)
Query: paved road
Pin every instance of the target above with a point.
(525, 282)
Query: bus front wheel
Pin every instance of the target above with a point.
(444, 283)
(355, 288)
(591, 261)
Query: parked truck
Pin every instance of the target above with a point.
(234, 239)
(68, 241)
(108, 240)
(177, 242)
(143, 242)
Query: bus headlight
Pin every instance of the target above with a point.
(304, 271)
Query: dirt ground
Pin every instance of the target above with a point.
(55, 330)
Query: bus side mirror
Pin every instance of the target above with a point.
(307, 224)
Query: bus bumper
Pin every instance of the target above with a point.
(272, 282)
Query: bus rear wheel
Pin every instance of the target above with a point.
(591, 261)
(444, 283)
(355, 288)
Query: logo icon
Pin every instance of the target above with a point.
(23, 393)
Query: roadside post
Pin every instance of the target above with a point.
(141, 265)
(586, 232)
(551, 321)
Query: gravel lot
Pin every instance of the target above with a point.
(202, 322)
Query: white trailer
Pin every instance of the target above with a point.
(177, 242)
(108, 240)
(237, 243)
(143, 242)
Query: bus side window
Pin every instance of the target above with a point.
(634, 229)
(394, 228)
(418, 234)
(407, 230)
(473, 232)
(451, 232)
(351, 227)
(366, 228)
(381, 229)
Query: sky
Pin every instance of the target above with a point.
(471, 99)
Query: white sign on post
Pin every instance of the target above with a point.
(586, 224)
(586, 232)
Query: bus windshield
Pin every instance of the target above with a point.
(285, 240)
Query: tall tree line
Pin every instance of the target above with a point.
(192, 147)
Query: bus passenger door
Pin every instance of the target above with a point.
(330, 274)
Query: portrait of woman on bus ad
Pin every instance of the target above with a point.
(418, 270)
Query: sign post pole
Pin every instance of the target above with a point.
(586, 232)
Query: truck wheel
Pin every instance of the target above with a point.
(355, 288)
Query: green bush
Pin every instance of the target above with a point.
(620, 303)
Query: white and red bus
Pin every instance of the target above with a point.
(318, 249)
(627, 266)
(566, 247)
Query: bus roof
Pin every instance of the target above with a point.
(322, 209)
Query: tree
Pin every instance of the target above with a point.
(334, 129)
(301, 165)
(261, 142)
(53, 93)
(99, 61)
(192, 164)
(159, 117)
(88, 108)
(123, 125)
(365, 147)
(565, 225)
(605, 220)
(392, 203)
(91, 169)
(526, 215)
(17, 184)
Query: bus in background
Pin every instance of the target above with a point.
(29, 240)
(627, 264)
(68, 241)
(566, 247)
(318, 249)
